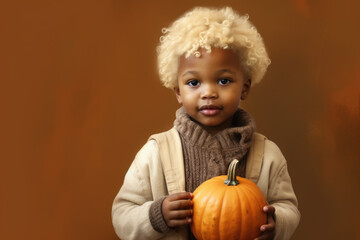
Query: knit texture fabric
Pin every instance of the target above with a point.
(207, 156)
(156, 217)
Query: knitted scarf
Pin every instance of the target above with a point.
(207, 156)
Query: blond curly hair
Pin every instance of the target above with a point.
(209, 27)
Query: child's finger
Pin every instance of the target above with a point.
(269, 209)
(180, 214)
(270, 226)
(178, 222)
(267, 227)
(179, 196)
(180, 204)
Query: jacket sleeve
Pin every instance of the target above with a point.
(281, 195)
(130, 210)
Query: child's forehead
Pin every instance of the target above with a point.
(217, 60)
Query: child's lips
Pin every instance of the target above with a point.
(210, 110)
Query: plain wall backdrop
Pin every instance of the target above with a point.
(79, 96)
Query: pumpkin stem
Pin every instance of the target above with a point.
(231, 180)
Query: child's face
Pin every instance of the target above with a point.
(210, 87)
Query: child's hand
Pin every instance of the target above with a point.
(177, 210)
(268, 230)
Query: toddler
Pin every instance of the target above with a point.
(210, 58)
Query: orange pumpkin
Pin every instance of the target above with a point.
(228, 207)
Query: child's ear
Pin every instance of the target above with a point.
(246, 89)
(178, 95)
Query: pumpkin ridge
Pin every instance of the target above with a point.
(238, 232)
(244, 209)
(250, 206)
(255, 192)
(219, 231)
(206, 201)
(218, 192)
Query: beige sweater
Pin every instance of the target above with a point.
(206, 155)
(148, 179)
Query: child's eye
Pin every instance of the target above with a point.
(224, 81)
(193, 83)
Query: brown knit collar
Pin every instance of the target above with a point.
(193, 133)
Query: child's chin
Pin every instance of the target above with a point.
(211, 124)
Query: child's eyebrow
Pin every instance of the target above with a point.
(226, 71)
(192, 72)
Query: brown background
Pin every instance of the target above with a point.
(79, 95)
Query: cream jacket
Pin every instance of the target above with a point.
(155, 173)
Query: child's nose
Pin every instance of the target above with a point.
(209, 91)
